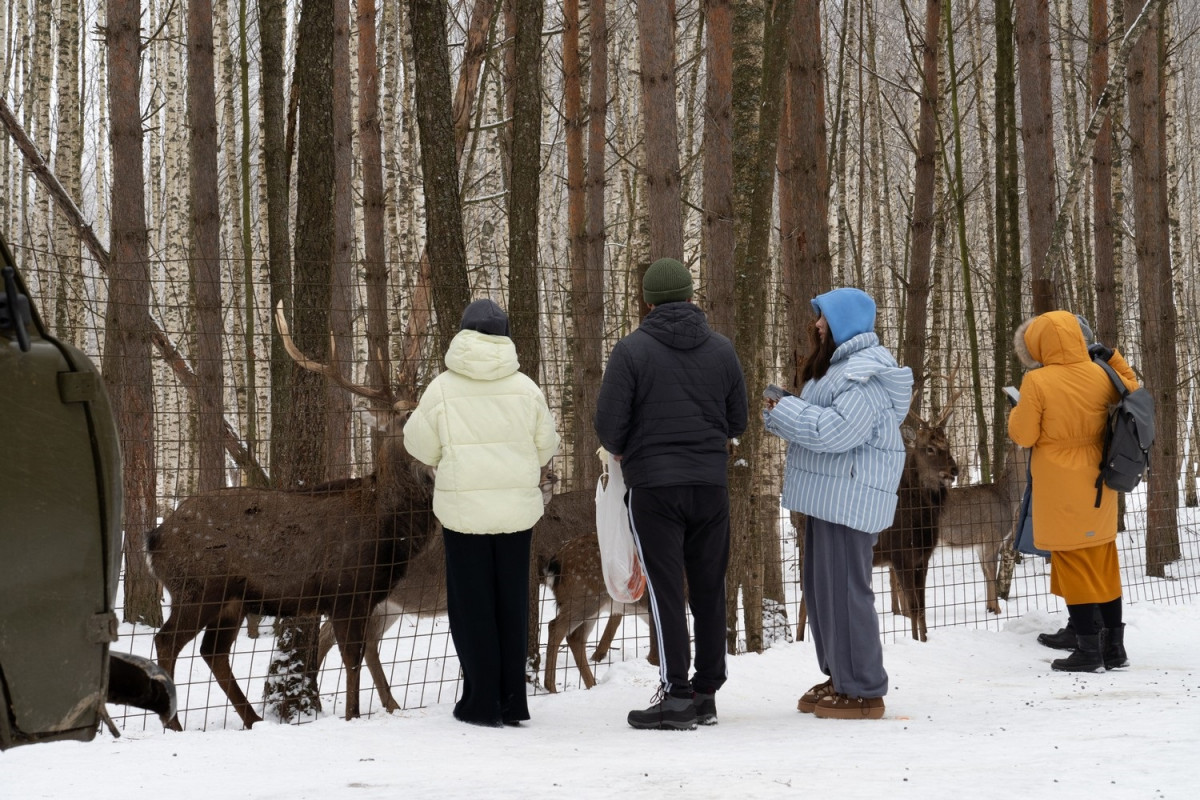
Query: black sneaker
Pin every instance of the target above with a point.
(706, 708)
(667, 713)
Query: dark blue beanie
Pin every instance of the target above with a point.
(486, 317)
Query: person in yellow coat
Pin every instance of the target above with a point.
(1061, 417)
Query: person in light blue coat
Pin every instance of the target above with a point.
(844, 459)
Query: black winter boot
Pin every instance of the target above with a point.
(1086, 657)
(1114, 648)
(1064, 639)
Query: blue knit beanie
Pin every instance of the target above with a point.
(849, 312)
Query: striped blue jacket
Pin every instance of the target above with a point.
(845, 452)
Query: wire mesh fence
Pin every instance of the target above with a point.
(969, 583)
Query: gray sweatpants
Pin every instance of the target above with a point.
(841, 607)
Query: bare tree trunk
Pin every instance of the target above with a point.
(1008, 215)
(1037, 136)
(759, 68)
(585, 225)
(524, 184)
(126, 360)
(656, 28)
(246, 227)
(718, 168)
(341, 305)
(443, 208)
(291, 689)
(272, 26)
(68, 163)
(375, 268)
(959, 199)
(205, 246)
(1147, 136)
(917, 295)
(1102, 204)
(811, 264)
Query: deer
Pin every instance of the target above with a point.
(908, 543)
(336, 549)
(422, 590)
(984, 517)
(576, 577)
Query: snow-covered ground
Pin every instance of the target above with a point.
(975, 712)
(971, 713)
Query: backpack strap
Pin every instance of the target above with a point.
(1122, 392)
(1119, 384)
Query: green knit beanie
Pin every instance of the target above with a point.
(667, 281)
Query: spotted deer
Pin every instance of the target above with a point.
(577, 580)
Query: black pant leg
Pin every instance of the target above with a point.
(706, 559)
(471, 607)
(658, 530)
(512, 620)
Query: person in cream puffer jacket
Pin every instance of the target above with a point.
(486, 428)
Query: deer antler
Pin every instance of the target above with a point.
(328, 370)
(954, 394)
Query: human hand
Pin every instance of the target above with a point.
(1100, 351)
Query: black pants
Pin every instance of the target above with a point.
(487, 601)
(683, 531)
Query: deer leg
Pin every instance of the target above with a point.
(610, 630)
(989, 563)
(917, 601)
(183, 624)
(350, 634)
(556, 631)
(898, 598)
(324, 641)
(652, 656)
(801, 619)
(215, 648)
(375, 629)
(577, 644)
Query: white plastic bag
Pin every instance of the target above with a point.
(623, 574)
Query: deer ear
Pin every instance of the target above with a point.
(375, 418)
(909, 434)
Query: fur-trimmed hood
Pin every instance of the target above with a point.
(1055, 337)
(1027, 360)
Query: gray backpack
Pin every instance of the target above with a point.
(1127, 439)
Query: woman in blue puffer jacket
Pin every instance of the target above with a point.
(844, 459)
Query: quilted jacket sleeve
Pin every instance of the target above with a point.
(421, 436)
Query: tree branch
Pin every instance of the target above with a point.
(1103, 110)
(37, 164)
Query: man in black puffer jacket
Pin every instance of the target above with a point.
(673, 396)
